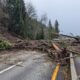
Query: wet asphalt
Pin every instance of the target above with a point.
(77, 65)
(35, 67)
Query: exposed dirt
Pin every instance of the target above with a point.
(14, 56)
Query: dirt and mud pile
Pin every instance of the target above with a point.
(41, 44)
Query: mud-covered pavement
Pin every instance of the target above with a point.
(35, 66)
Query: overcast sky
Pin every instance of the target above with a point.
(67, 12)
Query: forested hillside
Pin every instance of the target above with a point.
(21, 19)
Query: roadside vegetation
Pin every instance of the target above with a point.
(4, 45)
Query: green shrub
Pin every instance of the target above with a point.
(4, 45)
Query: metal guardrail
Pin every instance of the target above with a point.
(73, 69)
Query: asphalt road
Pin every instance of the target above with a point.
(35, 67)
(77, 65)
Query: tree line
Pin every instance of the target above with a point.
(22, 20)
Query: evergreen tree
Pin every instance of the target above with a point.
(17, 16)
(56, 27)
(50, 30)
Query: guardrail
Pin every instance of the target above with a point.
(73, 69)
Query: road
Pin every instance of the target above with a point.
(77, 66)
(35, 67)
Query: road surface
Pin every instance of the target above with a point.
(77, 66)
(35, 67)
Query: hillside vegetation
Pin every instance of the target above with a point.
(21, 20)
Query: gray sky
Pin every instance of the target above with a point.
(67, 12)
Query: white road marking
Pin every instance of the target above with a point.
(10, 67)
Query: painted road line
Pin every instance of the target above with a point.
(10, 67)
(55, 73)
(73, 70)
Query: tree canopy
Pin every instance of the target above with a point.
(23, 21)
